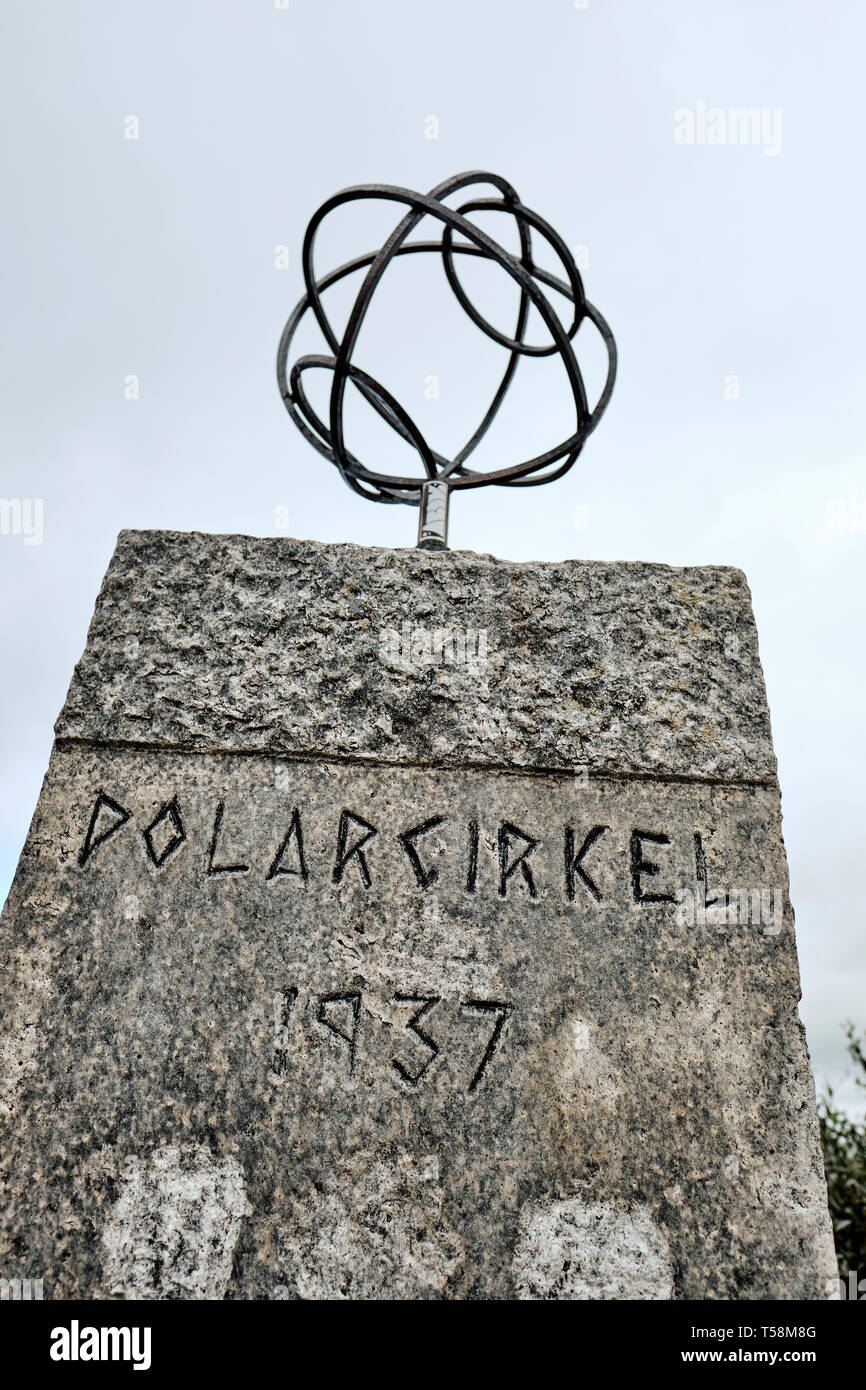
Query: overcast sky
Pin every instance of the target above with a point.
(732, 275)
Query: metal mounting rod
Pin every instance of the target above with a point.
(433, 517)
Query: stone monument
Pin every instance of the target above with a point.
(408, 924)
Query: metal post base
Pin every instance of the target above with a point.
(433, 517)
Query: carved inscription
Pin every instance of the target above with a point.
(106, 818)
(165, 834)
(426, 1003)
(338, 1017)
(574, 863)
(212, 866)
(283, 1003)
(645, 868)
(508, 864)
(341, 1014)
(499, 1013)
(425, 877)
(291, 848)
(350, 845)
(591, 868)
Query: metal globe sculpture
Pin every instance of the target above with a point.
(438, 476)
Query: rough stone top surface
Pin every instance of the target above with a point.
(405, 656)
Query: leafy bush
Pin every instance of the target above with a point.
(844, 1143)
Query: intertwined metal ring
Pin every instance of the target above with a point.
(329, 439)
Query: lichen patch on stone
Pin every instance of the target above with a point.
(173, 1230)
(571, 1250)
(377, 1233)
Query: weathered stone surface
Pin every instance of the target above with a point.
(260, 1040)
(233, 642)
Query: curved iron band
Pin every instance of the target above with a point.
(420, 207)
(361, 191)
(591, 313)
(516, 345)
(505, 477)
(391, 488)
(376, 270)
(318, 440)
(358, 263)
(457, 465)
(301, 412)
(430, 204)
(312, 299)
(409, 428)
(527, 215)
(410, 487)
(316, 431)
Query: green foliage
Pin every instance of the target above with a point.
(844, 1142)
